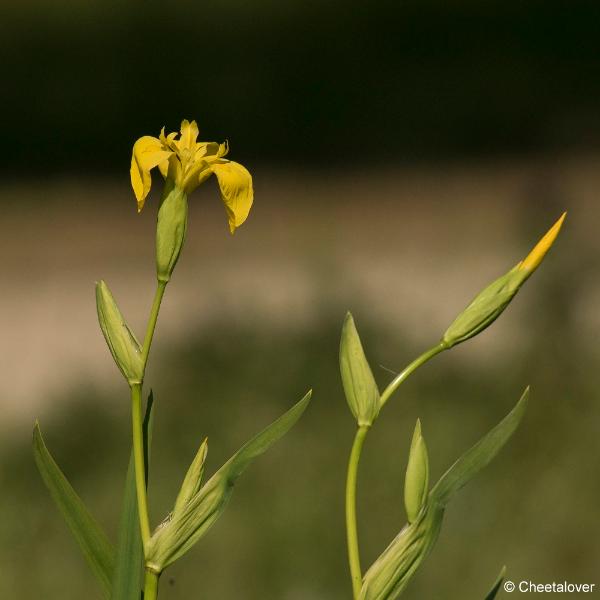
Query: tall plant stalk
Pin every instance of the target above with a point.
(388, 576)
(143, 553)
(352, 474)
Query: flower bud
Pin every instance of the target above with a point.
(170, 229)
(360, 388)
(192, 519)
(389, 575)
(416, 483)
(123, 345)
(487, 306)
(193, 479)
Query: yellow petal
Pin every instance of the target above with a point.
(167, 140)
(171, 168)
(163, 167)
(207, 150)
(535, 257)
(205, 154)
(147, 153)
(189, 134)
(236, 191)
(223, 149)
(196, 175)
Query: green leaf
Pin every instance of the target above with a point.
(177, 535)
(389, 575)
(496, 587)
(359, 384)
(472, 461)
(128, 573)
(96, 548)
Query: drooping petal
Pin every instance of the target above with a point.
(163, 167)
(148, 152)
(171, 168)
(236, 191)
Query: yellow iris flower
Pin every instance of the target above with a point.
(188, 163)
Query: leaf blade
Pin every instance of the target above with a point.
(496, 587)
(96, 548)
(177, 535)
(128, 573)
(480, 455)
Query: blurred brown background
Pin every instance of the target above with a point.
(404, 155)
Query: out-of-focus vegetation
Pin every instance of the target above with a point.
(353, 85)
(283, 537)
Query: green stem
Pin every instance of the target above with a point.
(138, 457)
(158, 296)
(151, 586)
(351, 526)
(137, 420)
(413, 366)
(351, 480)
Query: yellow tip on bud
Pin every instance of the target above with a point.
(535, 257)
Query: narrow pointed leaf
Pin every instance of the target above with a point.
(128, 574)
(496, 587)
(472, 461)
(94, 544)
(389, 575)
(127, 580)
(177, 535)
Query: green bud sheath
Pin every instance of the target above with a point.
(123, 345)
(485, 308)
(170, 229)
(489, 304)
(389, 575)
(195, 516)
(416, 483)
(359, 384)
(193, 479)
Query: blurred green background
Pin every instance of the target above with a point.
(404, 154)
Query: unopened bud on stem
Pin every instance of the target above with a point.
(360, 388)
(170, 229)
(487, 306)
(193, 479)
(123, 345)
(416, 484)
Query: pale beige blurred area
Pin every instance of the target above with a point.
(407, 246)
